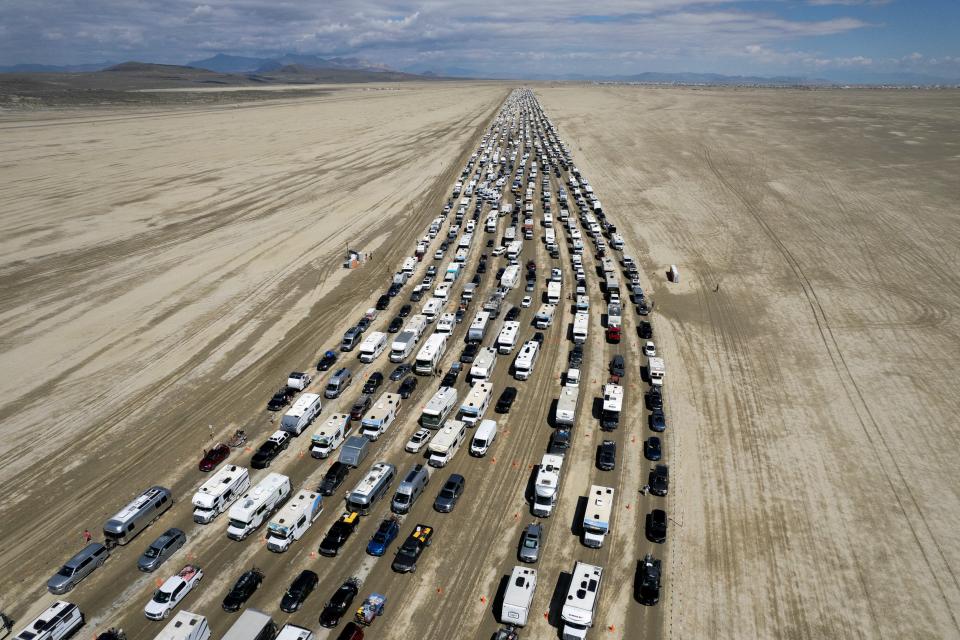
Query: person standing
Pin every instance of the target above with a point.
(87, 536)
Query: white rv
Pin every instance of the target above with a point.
(656, 370)
(446, 323)
(293, 520)
(330, 436)
(372, 346)
(596, 517)
(293, 632)
(581, 325)
(301, 414)
(544, 317)
(428, 358)
(443, 402)
(483, 364)
(257, 505)
(513, 249)
(581, 601)
(547, 486)
(553, 292)
(507, 339)
(526, 359)
(409, 265)
(612, 405)
(407, 340)
(442, 291)
(218, 492)
(614, 314)
(379, 418)
(59, 620)
(476, 402)
(483, 438)
(446, 443)
(518, 598)
(566, 414)
(186, 626)
(510, 277)
(432, 308)
(478, 328)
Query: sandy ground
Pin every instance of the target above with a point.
(812, 397)
(150, 257)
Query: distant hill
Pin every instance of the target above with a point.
(240, 64)
(49, 68)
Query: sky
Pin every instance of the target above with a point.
(807, 38)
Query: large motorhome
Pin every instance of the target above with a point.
(379, 418)
(371, 488)
(428, 358)
(547, 485)
(612, 405)
(483, 364)
(507, 339)
(581, 326)
(136, 516)
(433, 308)
(553, 292)
(219, 491)
(476, 402)
(330, 436)
(510, 277)
(566, 414)
(407, 340)
(544, 317)
(252, 625)
(59, 620)
(257, 505)
(443, 402)
(293, 520)
(372, 346)
(596, 517)
(301, 414)
(478, 328)
(518, 598)
(526, 359)
(581, 601)
(656, 369)
(513, 249)
(186, 625)
(446, 443)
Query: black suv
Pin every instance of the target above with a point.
(470, 352)
(559, 441)
(383, 302)
(576, 356)
(281, 398)
(395, 325)
(407, 387)
(656, 526)
(648, 581)
(409, 552)
(338, 534)
(607, 456)
(339, 604)
(617, 366)
(659, 480)
(333, 478)
(505, 402)
(405, 311)
(301, 587)
(373, 382)
(244, 587)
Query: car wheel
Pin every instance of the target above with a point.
(166, 614)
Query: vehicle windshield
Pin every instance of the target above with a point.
(151, 552)
(65, 571)
(161, 596)
(401, 498)
(530, 543)
(446, 493)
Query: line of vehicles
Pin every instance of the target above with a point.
(446, 421)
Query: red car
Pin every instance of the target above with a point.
(214, 456)
(613, 334)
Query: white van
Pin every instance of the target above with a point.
(372, 346)
(483, 438)
(330, 436)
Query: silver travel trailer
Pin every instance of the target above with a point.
(136, 516)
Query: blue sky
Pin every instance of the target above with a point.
(812, 38)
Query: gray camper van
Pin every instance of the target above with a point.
(338, 382)
(137, 516)
(410, 489)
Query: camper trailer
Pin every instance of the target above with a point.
(136, 516)
(301, 414)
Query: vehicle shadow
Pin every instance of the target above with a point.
(557, 600)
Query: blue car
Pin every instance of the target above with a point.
(386, 532)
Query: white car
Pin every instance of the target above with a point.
(172, 591)
(499, 251)
(649, 349)
(572, 379)
(526, 302)
(438, 254)
(417, 441)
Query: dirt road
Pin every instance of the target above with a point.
(812, 346)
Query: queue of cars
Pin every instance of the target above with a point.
(176, 588)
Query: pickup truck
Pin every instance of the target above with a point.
(172, 591)
(270, 449)
(409, 552)
(298, 380)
